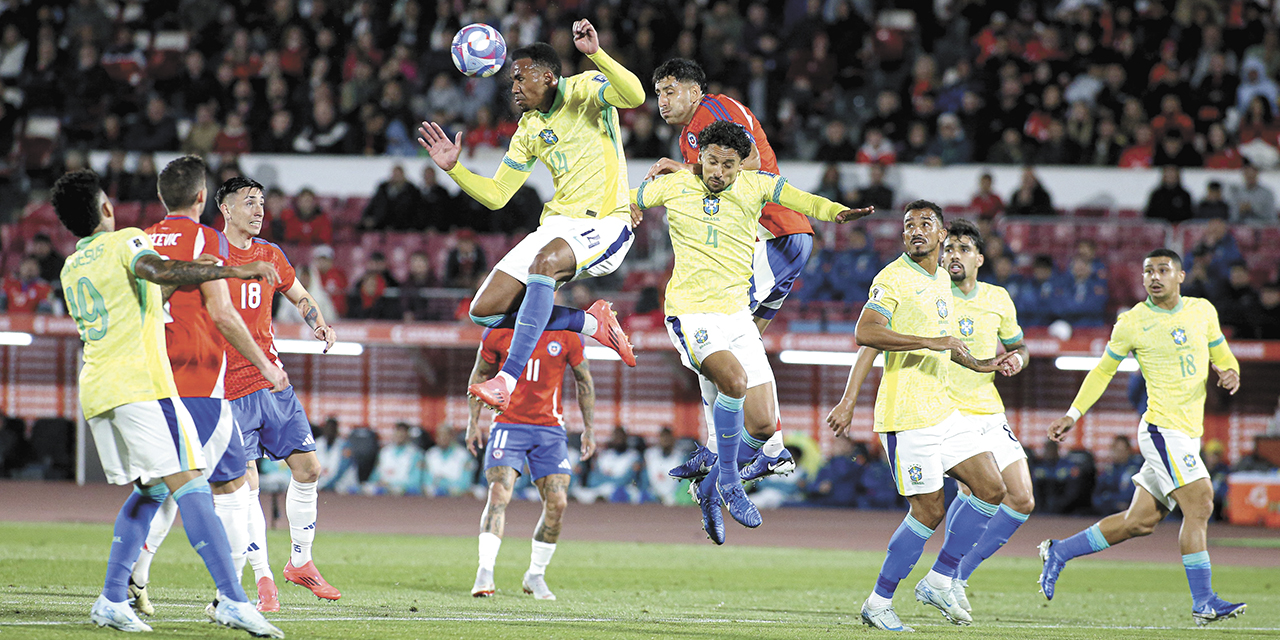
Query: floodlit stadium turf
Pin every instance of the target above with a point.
(419, 587)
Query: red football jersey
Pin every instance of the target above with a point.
(777, 219)
(539, 397)
(197, 351)
(254, 304)
(25, 298)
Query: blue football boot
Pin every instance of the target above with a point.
(696, 466)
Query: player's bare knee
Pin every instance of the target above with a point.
(546, 263)
(1023, 503)
(994, 494)
(929, 512)
(1139, 527)
(732, 384)
(499, 494)
(554, 504)
(306, 469)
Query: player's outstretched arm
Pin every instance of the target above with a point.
(494, 193)
(625, 90)
(481, 372)
(297, 294)
(155, 269)
(217, 301)
(587, 404)
(818, 207)
(841, 416)
(1090, 390)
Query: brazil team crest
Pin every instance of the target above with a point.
(1189, 460)
(966, 326)
(711, 205)
(916, 474)
(942, 308)
(548, 136)
(553, 348)
(700, 336)
(1179, 337)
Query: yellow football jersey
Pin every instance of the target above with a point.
(1172, 347)
(913, 391)
(121, 321)
(713, 235)
(578, 141)
(982, 317)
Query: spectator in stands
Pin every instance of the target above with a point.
(876, 149)
(1255, 82)
(643, 140)
(1266, 321)
(1238, 303)
(1002, 273)
(916, 147)
(145, 178)
(1106, 146)
(835, 145)
(1170, 201)
(1063, 484)
(831, 186)
(1087, 250)
(836, 483)
(1082, 298)
(1221, 153)
(484, 132)
(414, 302)
(1057, 148)
(234, 137)
(1114, 489)
(876, 486)
(1037, 302)
(309, 276)
(889, 118)
(648, 315)
(615, 474)
(466, 262)
(447, 468)
(1141, 154)
(1218, 470)
(950, 146)
(369, 301)
(1172, 118)
(400, 466)
(26, 291)
(987, 203)
(875, 193)
(203, 134)
(41, 248)
(325, 133)
(1031, 198)
(1251, 202)
(1173, 150)
(1217, 249)
(305, 223)
(280, 134)
(157, 131)
(332, 279)
(657, 460)
(332, 453)
(1010, 150)
(116, 181)
(855, 267)
(1214, 205)
(396, 205)
(376, 262)
(435, 205)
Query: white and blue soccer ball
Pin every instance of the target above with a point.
(479, 50)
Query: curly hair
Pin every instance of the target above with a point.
(729, 135)
(77, 198)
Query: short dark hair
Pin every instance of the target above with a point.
(729, 135)
(1165, 253)
(1042, 260)
(234, 184)
(682, 70)
(181, 181)
(926, 205)
(77, 199)
(961, 227)
(542, 55)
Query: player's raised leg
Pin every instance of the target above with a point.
(1140, 519)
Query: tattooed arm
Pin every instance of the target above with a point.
(587, 404)
(179, 272)
(481, 372)
(297, 294)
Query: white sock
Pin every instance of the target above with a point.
(541, 557)
(938, 581)
(508, 380)
(590, 325)
(489, 545)
(300, 507)
(160, 525)
(709, 395)
(233, 510)
(257, 554)
(773, 446)
(877, 601)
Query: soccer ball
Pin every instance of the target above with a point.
(479, 50)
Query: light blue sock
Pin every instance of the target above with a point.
(132, 525)
(1199, 576)
(905, 548)
(999, 530)
(968, 525)
(727, 415)
(748, 449)
(960, 499)
(539, 298)
(1083, 543)
(207, 537)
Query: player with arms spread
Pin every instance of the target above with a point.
(571, 125)
(712, 218)
(909, 317)
(982, 316)
(274, 424)
(140, 427)
(1173, 337)
(530, 430)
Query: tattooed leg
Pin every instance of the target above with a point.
(554, 489)
(494, 518)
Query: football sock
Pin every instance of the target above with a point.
(1081, 544)
(489, 545)
(160, 524)
(562, 319)
(130, 531)
(728, 424)
(300, 507)
(956, 503)
(747, 450)
(905, 548)
(257, 554)
(539, 298)
(773, 446)
(999, 530)
(709, 395)
(233, 510)
(207, 536)
(1199, 576)
(965, 529)
(540, 557)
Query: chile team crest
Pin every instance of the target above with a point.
(942, 308)
(711, 205)
(548, 136)
(692, 139)
(1179, 337)
(553, 348)
(966, 326)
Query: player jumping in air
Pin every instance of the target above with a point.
(571, 125)
(982, 315)
(140, 427)
(712, 217)
(196, 315)
(274, 424)
(530, 431)
(1176, 340)
(919, 424)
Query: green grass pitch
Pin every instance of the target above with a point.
(419, 587)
